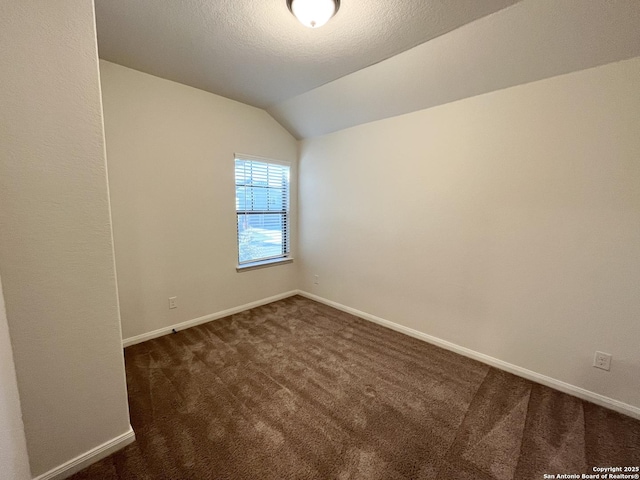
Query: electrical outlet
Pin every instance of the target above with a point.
(173, 302)
(602, 360)
(316, 279)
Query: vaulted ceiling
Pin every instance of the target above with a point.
(256, 52)
(373, 60)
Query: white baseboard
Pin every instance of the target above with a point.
(95, 454)
(207, 318)
(579, 392)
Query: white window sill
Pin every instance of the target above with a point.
(264, 263)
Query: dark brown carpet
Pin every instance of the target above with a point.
(299, 390)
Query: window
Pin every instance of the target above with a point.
(262, 210)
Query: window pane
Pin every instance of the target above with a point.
(260, 236)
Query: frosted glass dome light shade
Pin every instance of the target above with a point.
(313, 13)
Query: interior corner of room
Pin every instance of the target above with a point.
(478, 190)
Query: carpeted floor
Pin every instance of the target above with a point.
(299, 390)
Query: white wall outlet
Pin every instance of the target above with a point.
(602, 360)
(316, 279)
(173, 302)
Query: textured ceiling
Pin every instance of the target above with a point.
(373, 60)
(529, 41)
(256, 52)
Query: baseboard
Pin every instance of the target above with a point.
(579, 392)
(207, 318)
(82, 461)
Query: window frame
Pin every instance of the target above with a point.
(274, 260)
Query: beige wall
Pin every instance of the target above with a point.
(13, 449)
(507, 223)
(170, 152)
(56, 254)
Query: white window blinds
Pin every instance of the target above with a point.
(262, 209)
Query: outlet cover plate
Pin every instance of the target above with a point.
(602, 360)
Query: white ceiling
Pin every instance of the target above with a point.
(532, 40)
(373, 60)
(256, 52)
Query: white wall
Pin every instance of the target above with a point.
(170, 150)
(507, 223)
(56, 254)
(13, 449)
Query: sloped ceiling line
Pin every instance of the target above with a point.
(317, 81)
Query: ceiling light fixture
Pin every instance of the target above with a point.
(313, 13)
